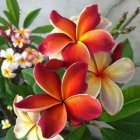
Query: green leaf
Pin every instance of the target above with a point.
(14, 10)
(4, 22)
(29, 79)
(129, 125)
(43, 29)
(80, 133)
(10, 18)
(11, 136)
(131, 105)
(127, 50)
(110, 134)
(30, 18)
(3, 41)
(36, 39)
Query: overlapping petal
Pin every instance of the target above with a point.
(53, 43)
(98, 40)
(74, 80)
(111, 96)
(76, 52)
(83, 108)
(37, 102)
(94, 84)
(88, 20)
(45, 77)
(63, 24)
(53, 121)
(32, 135)
(121, 71)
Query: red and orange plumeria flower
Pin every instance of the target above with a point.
(65, 100)
(75, 42)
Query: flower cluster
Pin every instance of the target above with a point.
(19, 55)
(84, 49)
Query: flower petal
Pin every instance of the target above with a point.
(94, 84)
(111, 96)
(121, 71)
(53, 121)
(32, 135)
(54, 64)
(83, 108)
(76, 53)
(22, 128)
(88, 20)
(74, 80)
(98, 40)
(104, 23)
(37, 102)
(63, 24)
(45, 77)
(53, 43)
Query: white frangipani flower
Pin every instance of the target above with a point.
(27, 124)
(10, 58)
(5, 124)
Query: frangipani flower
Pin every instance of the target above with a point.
(27, 124)
(64, 100)
(103, 76)
(25, 33)
(7, 71)
(5, 124)
(76, 41)
(10, 58)
(31, 53)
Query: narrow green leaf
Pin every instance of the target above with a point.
(3, 41)
(14, 9)
(110, 134)
(131, 105)
(127, 50)
(130, 125)
(43, 29)
(36, 39)
(10, 18)
(80, 133)
(4, 22)
(11, 136)
(30, 18)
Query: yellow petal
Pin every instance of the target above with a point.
(111, 96)
(121, 71)
(22, 128)
(94, 84)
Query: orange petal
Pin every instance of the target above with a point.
(53, 43)
(94, 84)
(121, 71)
(111, 96)
(82, 108)
(53, 121)
(88, 20)
(37, 102)
(48, 80)
(63, 24)
(76, 53)
(98, 40)
(74, 80)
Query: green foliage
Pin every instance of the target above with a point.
(30, 18)
(14, 10)
(131, 105)
(11, 136)
(110, 134)
(4, 22)
(80, 133)
(127, 50)
(29, 79)
(36, 39)
(43, 29)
